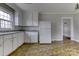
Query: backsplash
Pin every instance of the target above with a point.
(30, 28)
(22, 28)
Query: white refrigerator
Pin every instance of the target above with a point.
(44, 32)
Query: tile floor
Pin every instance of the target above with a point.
(64, 48)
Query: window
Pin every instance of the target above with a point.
(5, 20)
(6, 17)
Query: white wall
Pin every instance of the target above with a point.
(56, 24)
(76, 27)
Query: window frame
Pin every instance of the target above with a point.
(11, 21)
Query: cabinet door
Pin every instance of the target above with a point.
(35, 18)
(27, 37)
(1, 45)
(27, 21)
(18, 18)
(20, 38)
(15, 41)
(34, 37)
(7, 44)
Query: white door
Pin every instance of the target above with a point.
(1, 45)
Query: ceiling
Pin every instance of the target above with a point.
(45, 7)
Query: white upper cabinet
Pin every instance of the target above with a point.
(18, 18)
(27, 19)
(35, 18)
(30, 18)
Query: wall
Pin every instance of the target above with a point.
(76, 27)
(56, 24)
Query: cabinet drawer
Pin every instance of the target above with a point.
(7, 36)
(14, 35)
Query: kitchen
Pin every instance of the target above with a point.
(35, 28)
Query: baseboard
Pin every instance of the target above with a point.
(76, 40)
(57, 40)
(44, 43)
(31, 43)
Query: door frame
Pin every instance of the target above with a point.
(71, 20)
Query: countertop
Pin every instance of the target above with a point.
(12, 32)
(6, 33)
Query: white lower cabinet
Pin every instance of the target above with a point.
(31, 37)
(27, 37)
(1, 45)
(34, 37)
(21, 37)
(15, 41)
(7, 44)
(18, 40)
(10, 42)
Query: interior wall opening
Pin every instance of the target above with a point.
(66, 29)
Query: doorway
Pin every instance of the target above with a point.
(67, 28)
